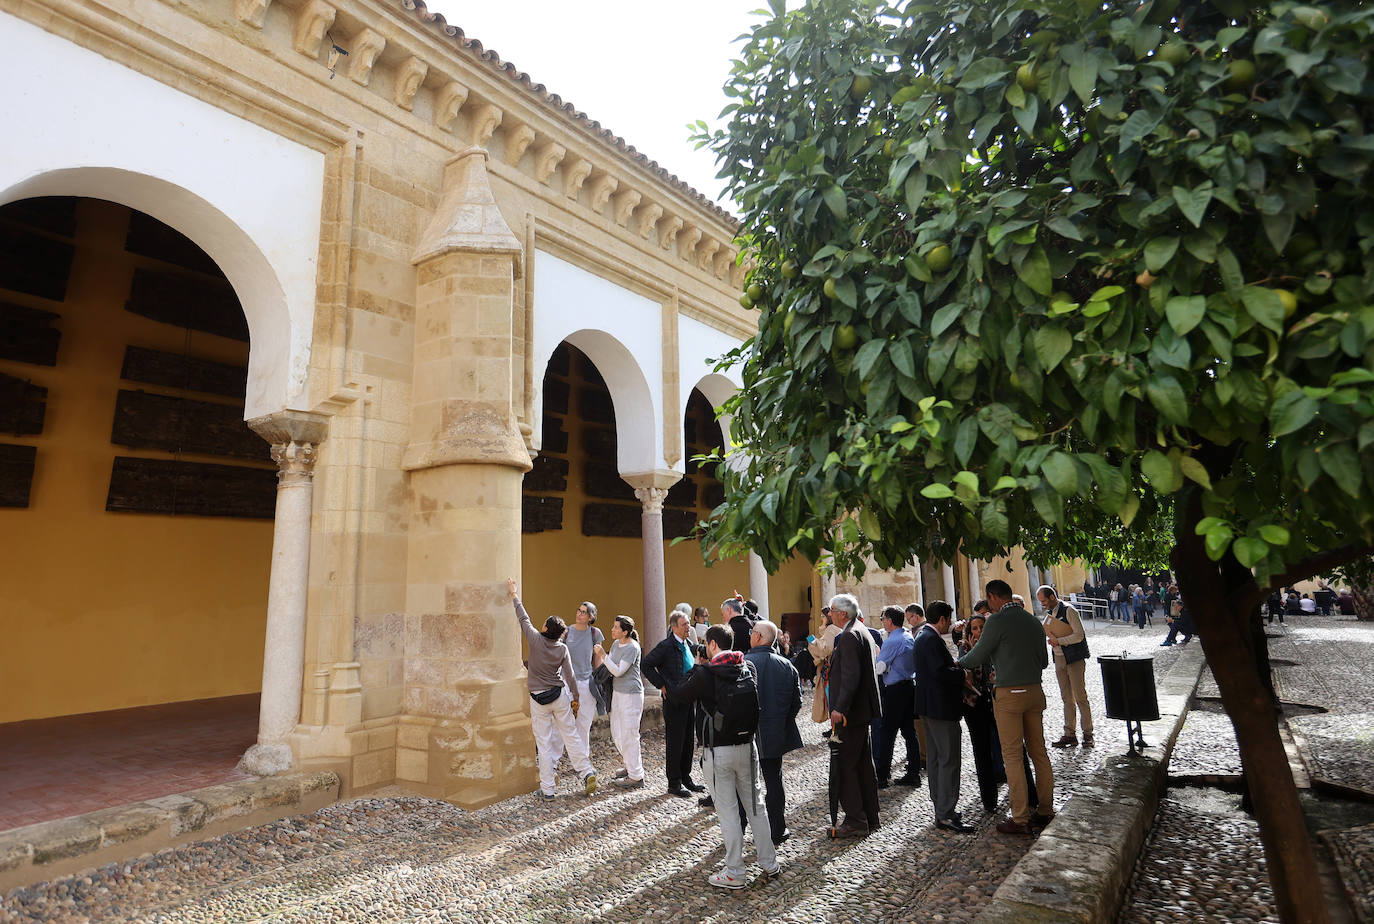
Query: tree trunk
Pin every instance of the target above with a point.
(1364, 601)
(1218, 598)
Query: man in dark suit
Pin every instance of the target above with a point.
(780, 700)
(665, 666)
(854, 703)
(939, 697)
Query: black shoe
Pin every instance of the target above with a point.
(1039, 821)
(706, 802)
(678, 791)
(954, 824)
(910, 779)
(694, 787)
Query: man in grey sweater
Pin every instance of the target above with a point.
(551, 679)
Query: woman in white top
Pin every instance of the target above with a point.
(627, 700)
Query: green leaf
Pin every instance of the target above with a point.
(1250, 551)
(936, 491)
(982, 73)
(1064, 228)
(1185, 313)
(1005, 483)
(1168, 399)
(1034, 271)
(1052, 344)
(1162, 472)
(1137, 126)
(1193, 202)
(1083, 77)
(1195, 471)
(1274, 535)
(1061, 472)
(968, 480)
(1264, 306)
(1129, 508)
(769, 506)
(835, 201)
(995, 521)
(1340, 462)
(965, 438)
(868, 522)
(1159, 252)
(1291, 412)
(868, 354)
(1105, 293)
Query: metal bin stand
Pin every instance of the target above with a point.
(1129, 686)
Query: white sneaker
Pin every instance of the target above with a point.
(724, 880)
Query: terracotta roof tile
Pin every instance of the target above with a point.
(553, 100)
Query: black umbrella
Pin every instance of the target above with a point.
(834, 792)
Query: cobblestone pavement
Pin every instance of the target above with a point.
(1319, 661)
(617, 856)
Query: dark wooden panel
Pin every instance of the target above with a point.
(27, 335)
(602, 479)
(558, 362)
(177, 371)
(595, 405)
(555, 396)
(16, 474)
(599, 443)
(167, 486)
(147, 421)
(541, 514)
(611, 520)
(554, 438)
(23, 406)
(33, 264)
(678, 523)
(549, 474)
(682, 494)
(151, 238)
(713, 494)
(188, 301)
(54, 214)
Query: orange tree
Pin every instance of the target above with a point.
(1037, 265)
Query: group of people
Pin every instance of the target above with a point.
(730, 689)
(1324, 600)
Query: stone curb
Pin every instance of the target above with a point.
(1078, 869)
(54, 848)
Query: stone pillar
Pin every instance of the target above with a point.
(947, 578)
(920, 584)
(758, 585)
(828, 589)
(975, 587)
(651, 488)
(466, 707)
(294, 436)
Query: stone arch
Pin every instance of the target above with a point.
(247, 268)
(717, 388)
(635, 417)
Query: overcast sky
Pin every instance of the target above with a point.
(642, 69)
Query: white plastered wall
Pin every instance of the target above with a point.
(622, 333)
(77, 124)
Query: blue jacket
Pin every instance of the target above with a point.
(780, 700)
(939, 681)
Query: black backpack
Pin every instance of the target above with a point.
(736, 717)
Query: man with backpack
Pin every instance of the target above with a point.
(726, 688)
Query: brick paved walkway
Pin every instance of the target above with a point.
(614, 857)
(53, 768)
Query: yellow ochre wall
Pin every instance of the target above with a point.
(112, 610)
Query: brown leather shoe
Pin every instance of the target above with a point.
(848, 829)
(1013, 827)
(1088, 739)
(1039, 821)
(1067, 741)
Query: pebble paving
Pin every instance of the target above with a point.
(616, 856)
(1353, 850)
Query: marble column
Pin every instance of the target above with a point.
(947, 578)
(651, 488)
(975, 589)
(828, 589)
(758, 585)
(295, 437)
(920, 584)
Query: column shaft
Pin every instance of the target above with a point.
(758, 585)
(655, 597)
(947, 578)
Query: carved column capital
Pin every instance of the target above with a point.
(651, 499)
(295, 436)
(295, 463)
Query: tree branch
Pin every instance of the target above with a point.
(1313, 564)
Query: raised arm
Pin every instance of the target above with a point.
(527, 627)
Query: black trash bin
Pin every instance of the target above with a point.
(1129, 688)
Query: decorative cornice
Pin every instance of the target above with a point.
(252, 12)
(602, 187)
(648, 218)
(706, 253)
(313, 20)
(668, 231)
(518, 141)
(687, 240)
(625, 203)
(484, 123)
(409, 76)
(575, 176)
(447, 104)
(547, 157)
(367, 45)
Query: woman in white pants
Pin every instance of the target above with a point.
(627, 700)
(552, 713)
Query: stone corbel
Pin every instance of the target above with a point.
(450, 99)
(484, 123)
(367, 45)
(575, 176)
(625, 204)
(687, 240)
(547, 157)
(706, 253)
(739, 272)
(668, 232)
(518, 141)
(252, 12)
(725, 259)
(648, 218)
(602, 187)
(409, 76)
(311, 23)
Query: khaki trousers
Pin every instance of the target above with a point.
(1073, 690)
(1020, 712)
